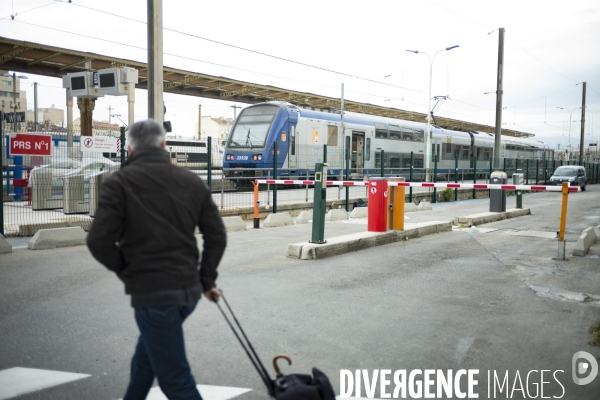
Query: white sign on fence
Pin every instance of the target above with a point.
(101, 144)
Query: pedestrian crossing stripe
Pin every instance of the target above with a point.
(18, 381)
(208, 392)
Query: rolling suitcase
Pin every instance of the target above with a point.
(283, 387)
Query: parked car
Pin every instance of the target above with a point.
(573, 174)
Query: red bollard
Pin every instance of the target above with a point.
(377, 213)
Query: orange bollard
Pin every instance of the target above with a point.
(563, 213)
(256, 204)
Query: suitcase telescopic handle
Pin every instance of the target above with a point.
(277, 357)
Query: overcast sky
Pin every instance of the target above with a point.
(550, 48)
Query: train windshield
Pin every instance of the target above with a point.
(252, 127)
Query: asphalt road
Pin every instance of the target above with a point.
(458, 300)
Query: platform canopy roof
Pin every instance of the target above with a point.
(34, 58)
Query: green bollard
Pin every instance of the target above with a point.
(474, 176)
(435, 161)
(456, 177)
(412, 163)
(319, 204)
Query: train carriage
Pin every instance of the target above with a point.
(301, 134)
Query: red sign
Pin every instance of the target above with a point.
(23, 144)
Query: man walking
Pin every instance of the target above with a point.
(144, 232)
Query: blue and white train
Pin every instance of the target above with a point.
(300, 135)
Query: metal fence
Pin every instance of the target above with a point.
(61, 190)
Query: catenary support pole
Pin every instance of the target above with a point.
(499, 86)
(155, 61)
(582, 124)
(35, 107)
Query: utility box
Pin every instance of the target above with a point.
(74, 195)
(498, 196)
(95, 186)
(517, 179)
(378, 199)
(42, 190)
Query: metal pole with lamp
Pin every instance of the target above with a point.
(428, 138)
(570, 120)
(15, 99)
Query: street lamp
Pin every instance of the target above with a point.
(570, 119)
(15, 99)
(428, 138)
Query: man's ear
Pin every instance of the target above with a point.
(164, 144)
(129, 148)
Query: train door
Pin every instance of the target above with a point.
(358, 152)
(292, 156)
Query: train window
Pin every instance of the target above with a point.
(252, 126)
(464, 154)
(419, 160)
(394, 161)
(381, 131)
(368, 150)
(293, 141)
(419, 135)
(395, 132)
(377, 159)
(332, 135)
(408, 134)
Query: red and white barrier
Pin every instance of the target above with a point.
(425, 184)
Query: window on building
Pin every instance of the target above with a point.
(6, 83)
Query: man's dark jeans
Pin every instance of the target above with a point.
(160, 353)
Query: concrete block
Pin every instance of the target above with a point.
(58, 237)
(5, 247)
(597, 232)
(294, 250)
(585, 241)
(304, 217)
(336, 214)
(359, 212)
(410, 207)
(279, 219)
(424, 206)
(233, 224)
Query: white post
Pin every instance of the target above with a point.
(130, 104)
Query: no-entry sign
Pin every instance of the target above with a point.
(102, 144)
(23, 144)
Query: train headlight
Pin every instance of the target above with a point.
(229, 157)
(257, 157)
(260, 157)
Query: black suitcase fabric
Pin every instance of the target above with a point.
(284, 387)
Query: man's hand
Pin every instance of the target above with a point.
(213, 294)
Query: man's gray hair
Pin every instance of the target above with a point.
(146, 133)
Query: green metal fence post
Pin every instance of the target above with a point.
(324, 154)
(412, 163)
(2, 173)
(504, 167)
(545, 172)
(537, 171)
(435, 161)
(209, 162)
(382, 163)
(456, 177)
(474, 175)
(275, 177)
(347, 178)
(122, 146)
